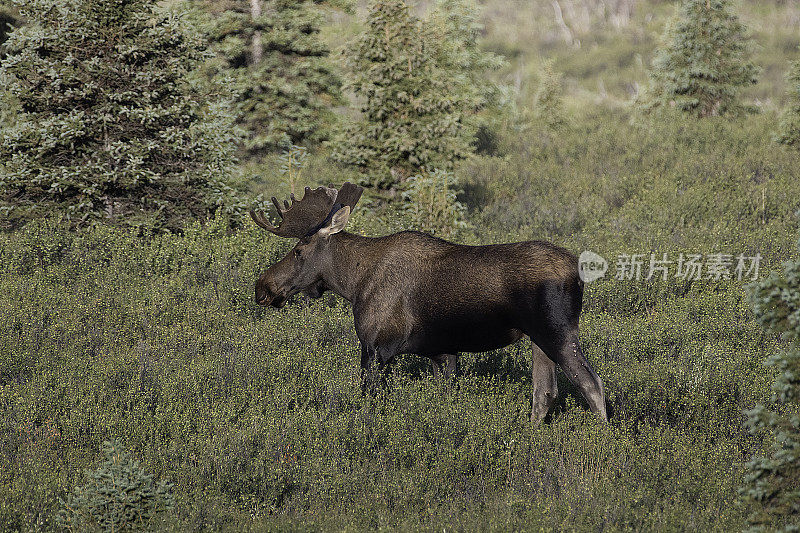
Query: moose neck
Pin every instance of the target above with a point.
(352, 261)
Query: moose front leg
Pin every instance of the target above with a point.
(374, 366)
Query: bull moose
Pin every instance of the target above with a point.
(415, 293)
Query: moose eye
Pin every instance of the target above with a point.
(297, 253)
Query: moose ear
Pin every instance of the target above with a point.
(338, 222)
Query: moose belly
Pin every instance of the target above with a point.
(452, 336)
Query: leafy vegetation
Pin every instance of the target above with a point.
(9, 18)
(256, 416)
(789, 131)
(432, 203)
(549, 104)
(458, 27)
(118, 496)
(418, 81)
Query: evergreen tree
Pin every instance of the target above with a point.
(789, 131)
(282, 74)
(110, 126)
(414, 103)
(773, 480)
(548, 102)
(704, 61)
(118, 496)
(457, 23)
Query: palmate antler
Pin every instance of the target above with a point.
(303, 218)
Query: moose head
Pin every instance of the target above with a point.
(321, 213)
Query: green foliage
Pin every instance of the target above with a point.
(773, 480)
(604, 180)
(789, 130)
(118, 496)
(280, 70)
(110, 127)
(432, 203)
(419, 88)
(257, 417)
(704, 61)
(548, 103)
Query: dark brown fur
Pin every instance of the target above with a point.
(414, 293)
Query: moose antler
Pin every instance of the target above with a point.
(303, 218)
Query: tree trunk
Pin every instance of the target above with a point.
(258, 48)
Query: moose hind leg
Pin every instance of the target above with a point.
(374, 368)
(545, 386)
(570, 358)
(367, 369)
(451, 365)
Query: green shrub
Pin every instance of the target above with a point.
(420, 84)
(432, 204)
(9, 18)
(789, 130)
(548, 103)
(473, 68)
(292, 161)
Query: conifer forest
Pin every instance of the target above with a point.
(178, 352)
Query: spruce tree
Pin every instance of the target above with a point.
(414, 106)
(773, 479)
(789, 131)
(704, 61)
(283, 77)
(457, 24)
(118, 496)
(110, 126)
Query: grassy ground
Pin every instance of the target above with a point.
(257, 418)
